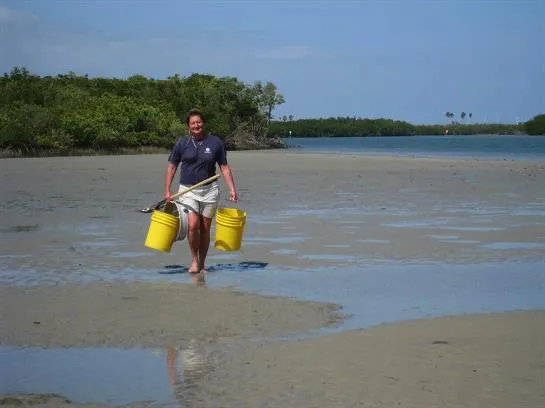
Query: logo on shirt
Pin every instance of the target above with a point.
(207, 150)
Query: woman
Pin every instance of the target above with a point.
(198, 154)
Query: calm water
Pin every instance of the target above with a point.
(509, 147)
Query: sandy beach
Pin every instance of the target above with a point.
(149, 315)
(81, 213)
(74, 273)
(469, 361)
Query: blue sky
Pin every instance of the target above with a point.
(406, 59)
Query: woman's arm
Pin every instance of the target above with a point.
(169, 176)
(228, 176)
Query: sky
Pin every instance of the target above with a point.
(406, 60)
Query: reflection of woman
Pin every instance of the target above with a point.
(198, 279)
(185, 367)
(172, 355)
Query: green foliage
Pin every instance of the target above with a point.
(536, 125)
(341, 126)
(72, 111)
(77, 112)
(331, 127)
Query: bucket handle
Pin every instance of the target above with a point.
(178, 194)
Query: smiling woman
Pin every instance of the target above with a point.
(198, 155)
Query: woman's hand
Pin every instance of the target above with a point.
(233, 196)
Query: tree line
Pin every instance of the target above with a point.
(350, 126)
(71, 112)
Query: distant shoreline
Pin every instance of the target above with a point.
(414, 135)
(352, 127)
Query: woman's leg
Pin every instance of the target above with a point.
(208, 211)
(193, 239)
(204, 243)
(193, 229)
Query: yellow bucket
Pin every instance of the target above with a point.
(230, 224)
(162, 231)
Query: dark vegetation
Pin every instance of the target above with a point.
(331, 127)
(73, 114)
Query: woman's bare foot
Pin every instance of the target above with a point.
(194, 268)
(202, 268)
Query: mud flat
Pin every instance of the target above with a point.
(485, 361)
(148, 315)
(74, 218)
(74, 274)
(481, 361)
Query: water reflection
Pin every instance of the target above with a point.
(198, 279)
(107, 375)
(186, 367)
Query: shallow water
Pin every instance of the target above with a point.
(105, 375)
(370, 294)
(115, 376)
(377, 293)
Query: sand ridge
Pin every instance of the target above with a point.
(149, 315)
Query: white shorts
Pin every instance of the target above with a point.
(202, 200)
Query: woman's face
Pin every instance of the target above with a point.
(196, 125)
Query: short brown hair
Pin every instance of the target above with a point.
(193, 112)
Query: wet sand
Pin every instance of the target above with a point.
(67, 222)
(149, 315)
(70, 217)
(482, 361)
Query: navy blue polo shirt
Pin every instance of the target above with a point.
(198, 158)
